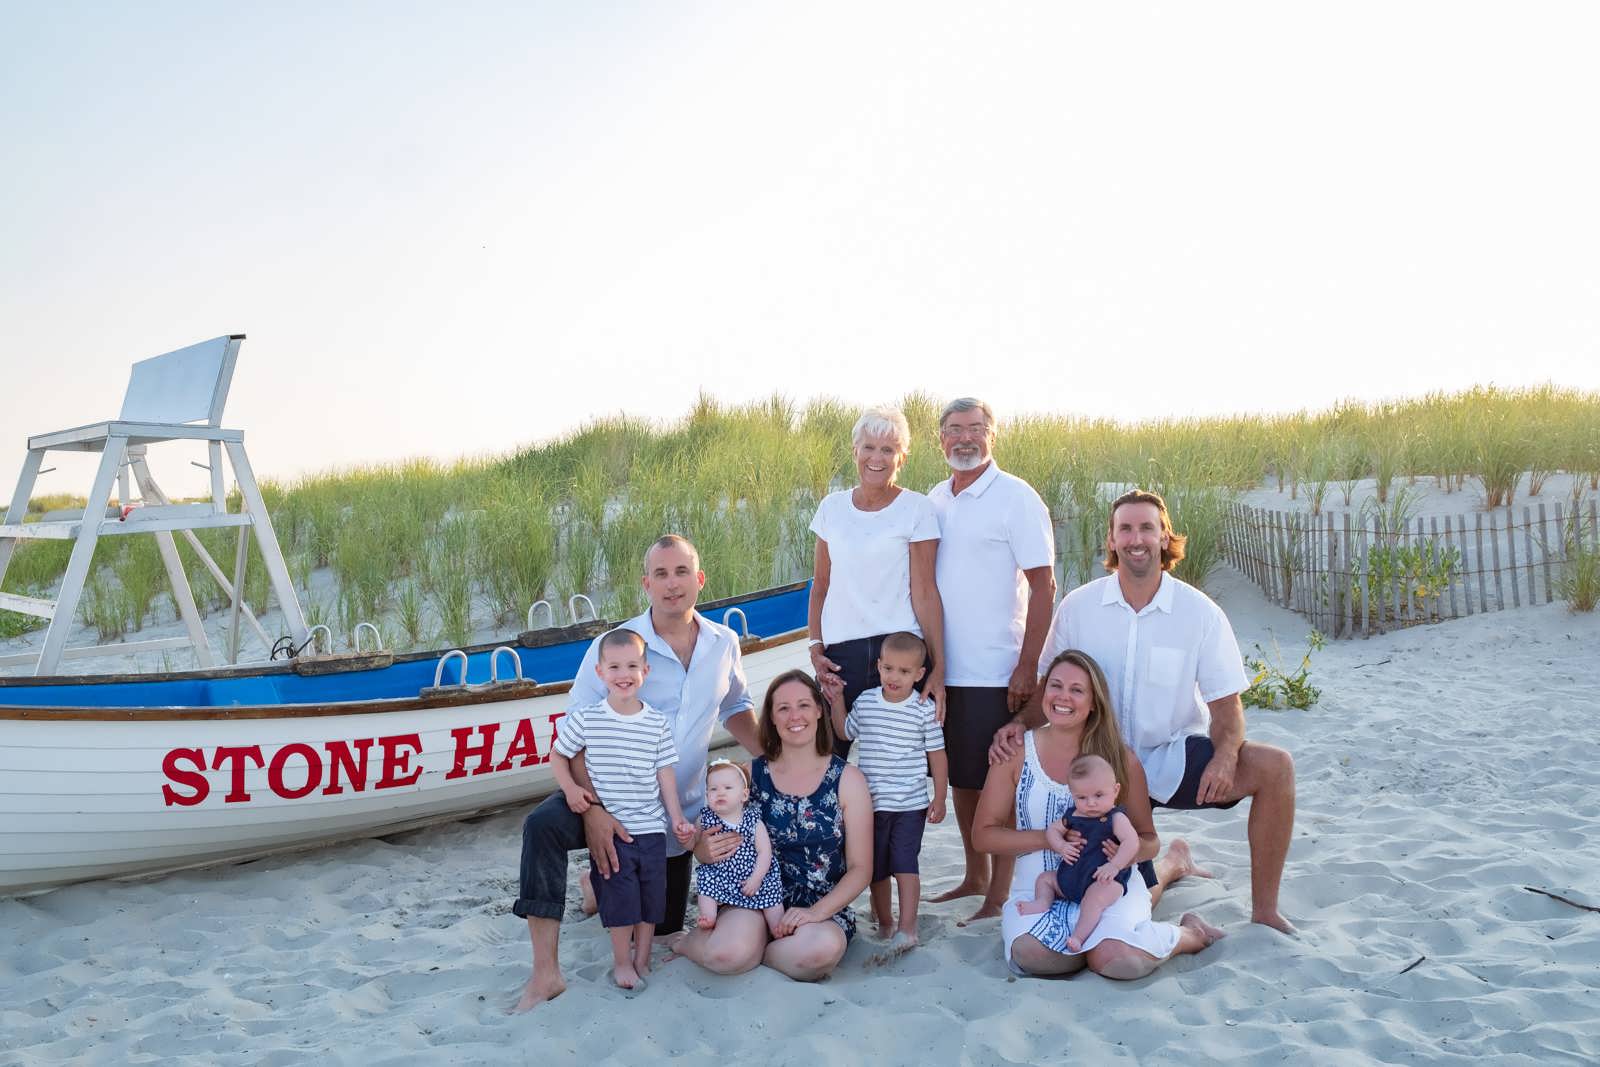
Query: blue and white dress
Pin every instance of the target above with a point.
(1041, 800)
(807, 837)
(724, 882)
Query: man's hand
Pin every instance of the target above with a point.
(1216, 782)
(600, 831)
(1007, 742)
(578, 799)
(1020, 689)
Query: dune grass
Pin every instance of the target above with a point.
(432, 550)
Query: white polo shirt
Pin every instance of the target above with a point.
(869, 589)
(1163, 665)
(990, 533)
(694, 700)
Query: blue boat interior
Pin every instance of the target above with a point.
(767, 616)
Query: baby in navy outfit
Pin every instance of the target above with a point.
(1086, 877)
(748, 878)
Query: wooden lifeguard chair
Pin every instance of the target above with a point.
(178, 396)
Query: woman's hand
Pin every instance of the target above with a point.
(934, 691)
(1106, 872)
(794, 918)
(826, 671)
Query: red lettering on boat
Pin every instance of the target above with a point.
(225, 753)
(484, 750)
(281, 757)
(523, 745)
(193, 779)
(396, 761)
(355, 767)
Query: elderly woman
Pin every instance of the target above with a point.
(876, 546)
(818, 813)
(1026, 793)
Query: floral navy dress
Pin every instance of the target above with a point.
(807, 838)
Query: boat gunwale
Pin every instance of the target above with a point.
(450, 697)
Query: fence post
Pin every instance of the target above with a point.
(1527, 540)
(1347, 623)
(1466, 575)
(1444, 553)
(1544, 544)
(1511, 556)
(1499, 588)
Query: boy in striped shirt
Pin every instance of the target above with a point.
(901, 741)
(628, 750)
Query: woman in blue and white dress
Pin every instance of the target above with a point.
(1026, 793)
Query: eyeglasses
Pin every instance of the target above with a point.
(956, 432)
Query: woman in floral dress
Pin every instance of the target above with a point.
(819, 815)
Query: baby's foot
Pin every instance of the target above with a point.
(1074, 945)
(1036, 906)
(706, 922)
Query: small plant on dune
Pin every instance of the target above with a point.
(1272, 686)
(1579, 584)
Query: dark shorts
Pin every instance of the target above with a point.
(1197, 753)
(549, 833)
(858, 666)
(972, 714)
(637, 892)
(896, 841)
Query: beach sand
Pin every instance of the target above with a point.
(1445, 769)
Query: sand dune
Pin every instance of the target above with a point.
(1446, 768)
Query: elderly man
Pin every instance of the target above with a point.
(1175, 674)
(695, 680)
(996, 578)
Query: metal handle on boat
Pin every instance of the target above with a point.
(572, 607)
(377, 638)
(327, 633)
(438, 672)
(494, 663)
(744, 623)
(548, 610)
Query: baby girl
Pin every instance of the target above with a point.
(748, 878)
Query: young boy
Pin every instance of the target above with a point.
(901, 742)
(629, 754)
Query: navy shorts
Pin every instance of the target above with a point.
(972, 714)
(896, 841)
(637, 892)
(1197, 753)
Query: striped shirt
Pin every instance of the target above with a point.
(895, 740)
(623, 754)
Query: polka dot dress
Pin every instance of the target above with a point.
(723, 881)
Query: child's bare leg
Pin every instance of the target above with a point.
(643, 937)
(622, 956)
(882, 908)
(773, 916)
(910, 888)
(1044, 894)
(708, 913)
(1096, 899)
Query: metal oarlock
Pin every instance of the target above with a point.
(744, 623)
(572, 608)
(494, 663)
(326, 633)
(438, 672)
(377, 638)
(550, 612)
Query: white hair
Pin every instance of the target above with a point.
(967, 403)
(882, 421)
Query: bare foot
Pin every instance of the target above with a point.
(589, 904)
(901, 943)
(537, 991)
(672, 941)
(967, 888)
(987, 910)
(1036, 906)
(1178, 863)
(1275, 920)
(627, 978)
(883, 930)
(1208, 933)
(1074, 945)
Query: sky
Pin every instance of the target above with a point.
(455, 230)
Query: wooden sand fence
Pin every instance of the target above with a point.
(1352, 577)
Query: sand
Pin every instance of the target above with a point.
(1445, 769)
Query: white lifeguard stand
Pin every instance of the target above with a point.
(178, 396)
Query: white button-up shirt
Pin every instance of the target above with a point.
(990, 533)
(1163, 665)
(695, 699)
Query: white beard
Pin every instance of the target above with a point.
(957, 463)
